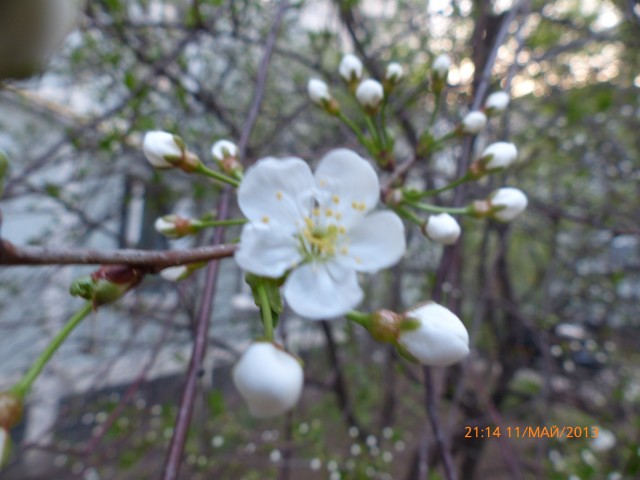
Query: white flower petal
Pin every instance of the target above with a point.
(322, 290)
(266, 250)
(269, 379)
(277, 192)
(375, 243)
(347, 184)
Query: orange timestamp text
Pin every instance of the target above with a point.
(553, 431)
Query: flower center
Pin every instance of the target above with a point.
(319, 242)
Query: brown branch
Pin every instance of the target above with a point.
(12, 255)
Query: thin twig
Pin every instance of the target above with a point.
(12, 255)
(183, 422)
(258, 96)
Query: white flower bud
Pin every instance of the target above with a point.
(370, 93)
(158, 146)
(350, 68)
(474, 122)
(173, 226)
(165, 226)
(508, 203)
(269, 379)
(497, 102)
(175, 274)
(223, 149)
(394, 73)
(499, 155)
(318, 91)
(440, 340)
(441, 65)
(443, 229)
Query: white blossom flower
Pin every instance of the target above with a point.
(443, 229)
(175, 274)
(269, 379)
(159, 146)
(440, 340)
(474, 122)
(394, 72)
(605, 440)
(223, 149)
(319, 227)
(507, 203)
(497, 102)
(318, 91)
(441, 65)
(350, 68)
(499, 155)
(370, 93)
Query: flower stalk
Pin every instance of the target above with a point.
(22, 388)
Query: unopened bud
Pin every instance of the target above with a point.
(174, 226)
(225, 153)
(165, 150)
(394, 74)
(11, 410)
(438, 337)
(507, 203)
(497, 156)
(320, 95)
(474, 122)
(497, 103)
(441, 65)
(370, 94)
(442, 229)
(269, 379)
(350, 69)
(107, 284)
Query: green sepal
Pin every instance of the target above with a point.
(426, 144)
(409, 325)
(83, 287)
(4, 168)
(272, 288)
(404, 353)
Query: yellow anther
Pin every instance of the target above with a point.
(344, 250)
(358, 259)
(336, 199)
(323, 183)
(279, 195)
(265, 219)
(338, 216)
(342, 230)
(316, 212)
(354, 205)
(328, 212)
